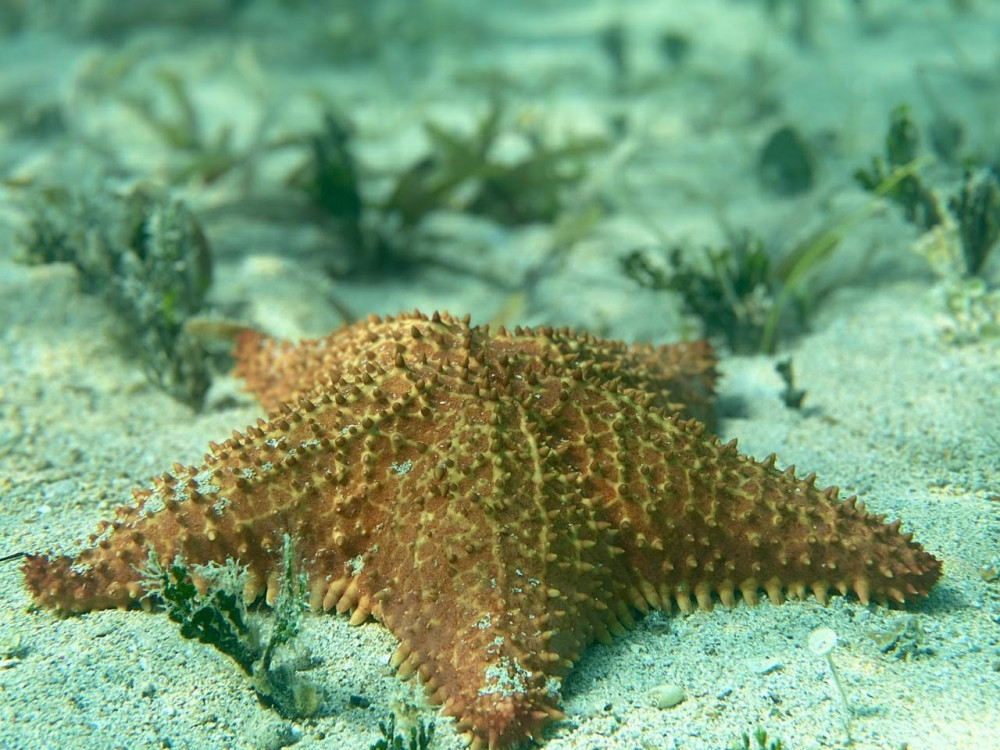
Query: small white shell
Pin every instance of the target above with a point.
(667, 695)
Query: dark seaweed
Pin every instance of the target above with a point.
(420, 736)
(219, 619)
(902, 142)
(145, 254)
(732, 297)
(976, 208)
(382, 234)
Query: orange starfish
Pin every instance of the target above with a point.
(498, 501)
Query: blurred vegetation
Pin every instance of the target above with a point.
(458, 173)
(142, 252)
(195, 155)
(501, 171)
(902, 141)
(330, 179)
(959, 234)
(521, 190)
(975, 207)
(12, 18)
(732, 296)
(749, 295)
(786, 165)
(108, 18)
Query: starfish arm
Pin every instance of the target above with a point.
(483, 649)
(304, 473)
(698, 519)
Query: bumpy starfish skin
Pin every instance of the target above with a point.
(680, 378)
(499, 502)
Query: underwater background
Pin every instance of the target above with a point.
(812, 185)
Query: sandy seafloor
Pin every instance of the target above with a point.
(893, 412)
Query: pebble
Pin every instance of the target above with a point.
(765, 666)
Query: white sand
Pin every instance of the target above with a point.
(892, 412)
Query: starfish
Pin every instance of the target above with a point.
(498, 501)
